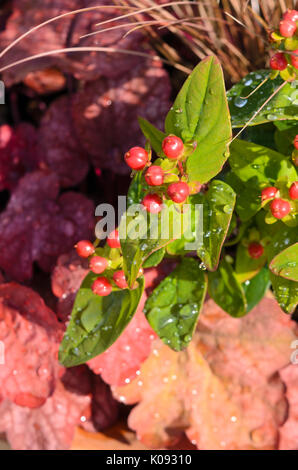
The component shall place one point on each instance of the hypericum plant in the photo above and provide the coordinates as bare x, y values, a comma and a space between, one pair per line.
248, 189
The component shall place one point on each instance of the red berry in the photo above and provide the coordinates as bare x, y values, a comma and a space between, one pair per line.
119, 279
152, 203
255, 250
173, 147
280, 208
291, 15
178, 192
293, 191
136, 158
98, 264
268, 193
296, 142
294, 58
113, 239
101, 286
84, 248
154, 175
278, 61
287, 28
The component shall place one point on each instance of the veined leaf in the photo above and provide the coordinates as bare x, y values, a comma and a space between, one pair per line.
285, 264
174, 306
96, 322
218, 206
282, 106
200, 113
226, 291
286, 291
154, 259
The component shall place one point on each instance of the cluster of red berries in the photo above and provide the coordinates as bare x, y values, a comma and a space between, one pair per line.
287, 29
98, 264
137, 158
279, 207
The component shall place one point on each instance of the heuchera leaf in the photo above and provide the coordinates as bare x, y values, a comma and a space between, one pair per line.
200, 113
226, 291
286, 291
219, 204
279, 107
255, 288
285, 264
152, 134
96, 322
174, 306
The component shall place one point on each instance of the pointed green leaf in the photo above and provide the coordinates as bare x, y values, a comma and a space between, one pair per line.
285, 264
246, 266
282, 106
96, 322
155, 136
256, 288
141, 234
219, 202
285, 291
200, 113
174, 306
154, 259
226, 291
135, 191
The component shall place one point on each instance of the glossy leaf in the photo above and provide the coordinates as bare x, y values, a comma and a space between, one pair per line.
152, 134
255, 164
154, 259
141, 234
135, 193
285, 264
226, 291
200, 113
286, 291
256, 288
96, 322
247, 204
281, 106
174, 306
219, 202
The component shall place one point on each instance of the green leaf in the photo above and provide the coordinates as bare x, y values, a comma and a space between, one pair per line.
152, 134
135, 192
200, 113
219, 202
285, 264
226, 291
256, 288
174, 306
141, 234
286, 291
284, 137
255, 164
154, 259
247, 204
96, 322
281, 106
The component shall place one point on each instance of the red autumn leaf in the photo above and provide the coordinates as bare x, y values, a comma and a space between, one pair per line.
30, 335
102, 109
59, 146
67, 32
224, 390
50, 427
37, 225
18, 153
